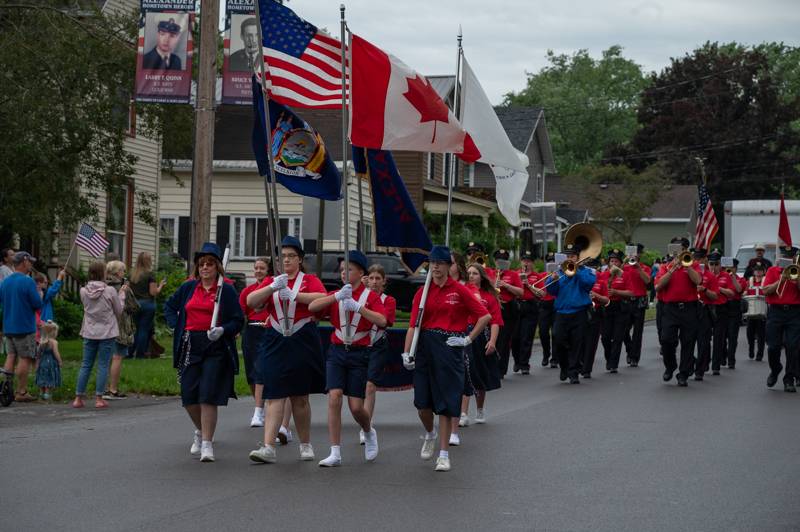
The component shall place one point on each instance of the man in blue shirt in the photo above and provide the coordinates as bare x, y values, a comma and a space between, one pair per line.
20, 300
572, 305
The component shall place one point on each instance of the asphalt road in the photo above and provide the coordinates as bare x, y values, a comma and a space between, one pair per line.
619, 452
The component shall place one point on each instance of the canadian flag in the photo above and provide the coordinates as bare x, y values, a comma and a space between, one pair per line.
392, 107
784, 233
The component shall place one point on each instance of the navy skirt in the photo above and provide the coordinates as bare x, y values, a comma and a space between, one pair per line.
252, 336
439, 375
484, 370
207, 377
291, 365
379, 358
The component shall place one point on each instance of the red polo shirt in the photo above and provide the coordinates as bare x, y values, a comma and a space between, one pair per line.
680, 288
724, 281
373, 303
618, 282
600, 288
448, 307
742, 285
710, 282
631, 274
527, 294
200, 308
250, 313
310, 285
790, 295
538, 282
509, 277
490, 303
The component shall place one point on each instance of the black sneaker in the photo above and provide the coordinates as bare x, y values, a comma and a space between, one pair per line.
682, 381
516, 368
526, 371
574, 380
612, 370
751, 355
715, 372
545, 362
553, 364
789, 387
698, 377
772, 379
587, 375
563, 375
668, 375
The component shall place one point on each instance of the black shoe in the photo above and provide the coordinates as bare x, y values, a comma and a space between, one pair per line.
682, 381
789, 388
668, 375
586, 375
526, 371
576, 380
698, 377
545, 362
563, 375
731, 366
759, 358
772, 379
553, 364
612, 370
715, 372
628, 360
516, 368
634, 364
751, 355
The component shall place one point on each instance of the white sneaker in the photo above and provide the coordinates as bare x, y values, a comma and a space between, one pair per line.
197, 440
331, 461
442, 464
371, 445
427, 448
480, 417
257, 420
463, 421
306, 452
455, 439
206, 452
264, 454
284, 436
361, 438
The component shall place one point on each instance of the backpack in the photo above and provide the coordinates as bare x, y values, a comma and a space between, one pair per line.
127, 320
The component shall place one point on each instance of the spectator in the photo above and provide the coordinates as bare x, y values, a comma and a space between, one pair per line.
144, 288
101, 306
6, 263
48, 373
48, 294
115, 277
20, 301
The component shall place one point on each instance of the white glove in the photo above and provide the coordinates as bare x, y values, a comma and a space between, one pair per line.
345, 293
408, 361
279, 282
351, 305
215, 333
459, 341
285, 294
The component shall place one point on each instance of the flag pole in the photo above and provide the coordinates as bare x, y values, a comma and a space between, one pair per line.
452, 173
345, 173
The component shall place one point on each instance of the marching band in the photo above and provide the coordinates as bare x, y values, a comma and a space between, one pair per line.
466, 324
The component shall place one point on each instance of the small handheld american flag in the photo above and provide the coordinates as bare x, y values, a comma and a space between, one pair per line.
90, 240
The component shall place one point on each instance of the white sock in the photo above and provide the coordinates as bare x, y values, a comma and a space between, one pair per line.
430, 435
336, 451
259, 412
206, 443
444, 454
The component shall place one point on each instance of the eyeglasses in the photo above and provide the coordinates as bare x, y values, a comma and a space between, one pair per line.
289, 255
207, 263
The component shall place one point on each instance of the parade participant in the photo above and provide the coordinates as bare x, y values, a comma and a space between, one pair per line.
707, 293
352, 311
725, 290
439, 375
618, 312
756, 327
571, 305
510, 286
760, 249
379, 353
734, 309
528, 315
204, 353
677, 287
252, 335
482, 372
546, 313
783, 320
600, 301
665, 263
290, 361
637, 276
475, 253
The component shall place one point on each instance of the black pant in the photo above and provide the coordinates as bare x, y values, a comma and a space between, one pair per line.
510, 317
734, 322
592, 339
705, 332
568, 336
679, 322
756, 333
615, 324
783, 331
720, 326
659, 316
526, 330
546, 316
633, 336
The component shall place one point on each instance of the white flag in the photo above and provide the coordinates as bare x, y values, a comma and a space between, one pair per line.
509, 165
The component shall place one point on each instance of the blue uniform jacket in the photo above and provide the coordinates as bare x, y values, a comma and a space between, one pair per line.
572, 293
230, 318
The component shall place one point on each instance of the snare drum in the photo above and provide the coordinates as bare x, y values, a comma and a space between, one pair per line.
756, 307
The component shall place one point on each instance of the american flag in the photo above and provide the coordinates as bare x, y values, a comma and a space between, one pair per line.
707, 225
90, 240
304, 66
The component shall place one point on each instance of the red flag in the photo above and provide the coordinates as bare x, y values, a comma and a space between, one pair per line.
784, 233
707, 225
392, 107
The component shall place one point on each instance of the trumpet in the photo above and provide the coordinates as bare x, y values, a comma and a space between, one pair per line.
633, 260
614, 271
730, 270
497, 280
685, 259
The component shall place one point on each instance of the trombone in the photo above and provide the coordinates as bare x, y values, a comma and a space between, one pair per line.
790, 273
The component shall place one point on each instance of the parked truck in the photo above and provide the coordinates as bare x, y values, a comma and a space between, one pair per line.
749, 222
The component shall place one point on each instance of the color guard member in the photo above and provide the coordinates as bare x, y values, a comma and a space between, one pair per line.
251, 336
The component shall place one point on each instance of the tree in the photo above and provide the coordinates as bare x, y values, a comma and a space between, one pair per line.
589, 103
735, 107
621, 197
466, 229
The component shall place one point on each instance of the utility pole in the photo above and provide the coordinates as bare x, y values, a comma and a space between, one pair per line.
203, 161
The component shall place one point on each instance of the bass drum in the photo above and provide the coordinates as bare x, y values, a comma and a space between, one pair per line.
756, 307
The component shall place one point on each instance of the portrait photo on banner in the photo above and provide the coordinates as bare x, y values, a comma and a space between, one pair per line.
165, 41
244, 43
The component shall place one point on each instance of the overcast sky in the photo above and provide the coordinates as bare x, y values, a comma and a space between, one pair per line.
505, 38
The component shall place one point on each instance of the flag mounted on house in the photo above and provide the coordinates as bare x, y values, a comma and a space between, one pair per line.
393, 107
397, 223
707, 225
301, 161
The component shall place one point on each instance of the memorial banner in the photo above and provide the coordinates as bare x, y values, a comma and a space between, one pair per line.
241, 48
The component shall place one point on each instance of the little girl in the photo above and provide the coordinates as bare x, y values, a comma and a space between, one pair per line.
48, 374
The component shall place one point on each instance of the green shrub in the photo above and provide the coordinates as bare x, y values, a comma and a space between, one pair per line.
69, 316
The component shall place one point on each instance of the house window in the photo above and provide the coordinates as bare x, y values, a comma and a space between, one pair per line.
366, 245
445, 170
431, 172
117, 221
249, 234
472, 175
168, 234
